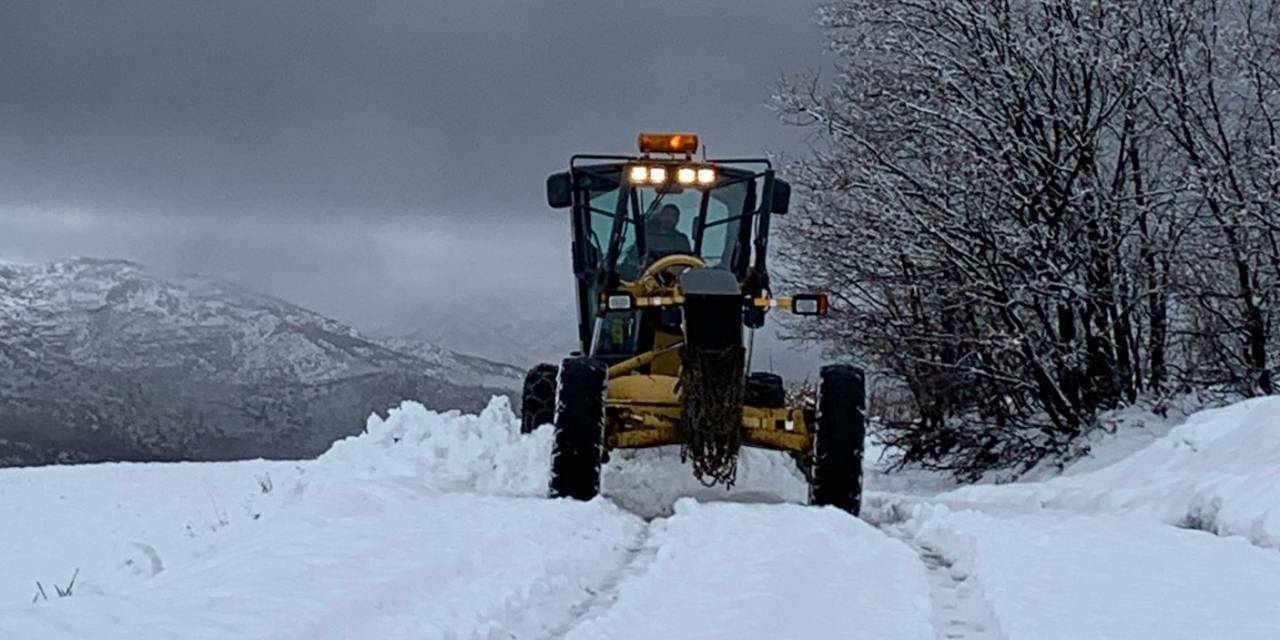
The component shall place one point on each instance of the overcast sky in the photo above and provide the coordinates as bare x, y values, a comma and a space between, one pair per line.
365, 159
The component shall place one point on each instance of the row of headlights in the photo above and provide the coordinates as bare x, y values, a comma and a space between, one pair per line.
641, 174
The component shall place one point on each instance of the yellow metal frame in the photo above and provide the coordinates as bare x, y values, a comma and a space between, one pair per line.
644, 411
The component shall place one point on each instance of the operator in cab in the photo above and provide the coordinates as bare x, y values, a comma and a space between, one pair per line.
663, 236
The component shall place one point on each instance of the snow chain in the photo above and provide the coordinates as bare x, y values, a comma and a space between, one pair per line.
712, 382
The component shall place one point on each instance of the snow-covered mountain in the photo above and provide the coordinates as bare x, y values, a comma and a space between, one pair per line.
108, 359
458, 367
522, 333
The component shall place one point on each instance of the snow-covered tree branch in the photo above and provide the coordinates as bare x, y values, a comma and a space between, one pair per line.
1030, 212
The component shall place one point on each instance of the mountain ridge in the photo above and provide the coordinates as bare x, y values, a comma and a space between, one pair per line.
109, 359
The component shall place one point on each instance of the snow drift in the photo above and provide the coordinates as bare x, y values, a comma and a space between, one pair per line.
450, 451
1217, 472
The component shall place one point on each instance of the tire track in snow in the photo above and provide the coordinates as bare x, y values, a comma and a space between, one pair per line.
960, 610
639, 555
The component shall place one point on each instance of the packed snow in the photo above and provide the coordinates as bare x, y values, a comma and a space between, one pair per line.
770, 571
434, 525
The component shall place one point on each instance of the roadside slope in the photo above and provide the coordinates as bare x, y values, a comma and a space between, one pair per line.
1216, 472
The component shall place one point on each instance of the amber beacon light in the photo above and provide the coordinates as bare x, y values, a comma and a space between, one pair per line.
668, 142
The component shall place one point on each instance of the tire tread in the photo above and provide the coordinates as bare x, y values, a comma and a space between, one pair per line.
579, 429
840, 439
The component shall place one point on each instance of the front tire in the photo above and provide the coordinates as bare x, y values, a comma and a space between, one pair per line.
839, 439
579, 429
538, 399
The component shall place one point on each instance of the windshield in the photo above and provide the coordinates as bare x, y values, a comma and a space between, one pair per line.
656, 221
664, 220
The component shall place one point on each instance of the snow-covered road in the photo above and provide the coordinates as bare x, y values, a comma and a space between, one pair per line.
764, 571
432, 526
394, 558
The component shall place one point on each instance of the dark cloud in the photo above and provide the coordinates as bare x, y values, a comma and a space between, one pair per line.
336, 153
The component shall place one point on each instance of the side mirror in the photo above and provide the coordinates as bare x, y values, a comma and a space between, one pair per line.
781, 197
559, 190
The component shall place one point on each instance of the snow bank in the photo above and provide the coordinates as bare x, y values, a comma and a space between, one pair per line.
449, 451
765, 571
1217, 472
1069, 576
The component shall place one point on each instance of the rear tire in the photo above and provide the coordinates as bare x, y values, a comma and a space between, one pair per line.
839, 439
538, 400
579, 429
765, 390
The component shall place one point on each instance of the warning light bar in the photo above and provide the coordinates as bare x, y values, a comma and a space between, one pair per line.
668, 142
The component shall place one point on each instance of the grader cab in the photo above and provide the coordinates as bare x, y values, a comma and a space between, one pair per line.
670, 258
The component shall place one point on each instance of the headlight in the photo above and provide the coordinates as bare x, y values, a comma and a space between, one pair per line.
706, 176
657, 175
809, 304
686, 175
620, 302
639, 174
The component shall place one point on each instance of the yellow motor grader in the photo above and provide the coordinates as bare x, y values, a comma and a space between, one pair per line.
670, 257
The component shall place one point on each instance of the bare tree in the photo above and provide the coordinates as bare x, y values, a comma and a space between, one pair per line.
1219, 102
1002, 198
